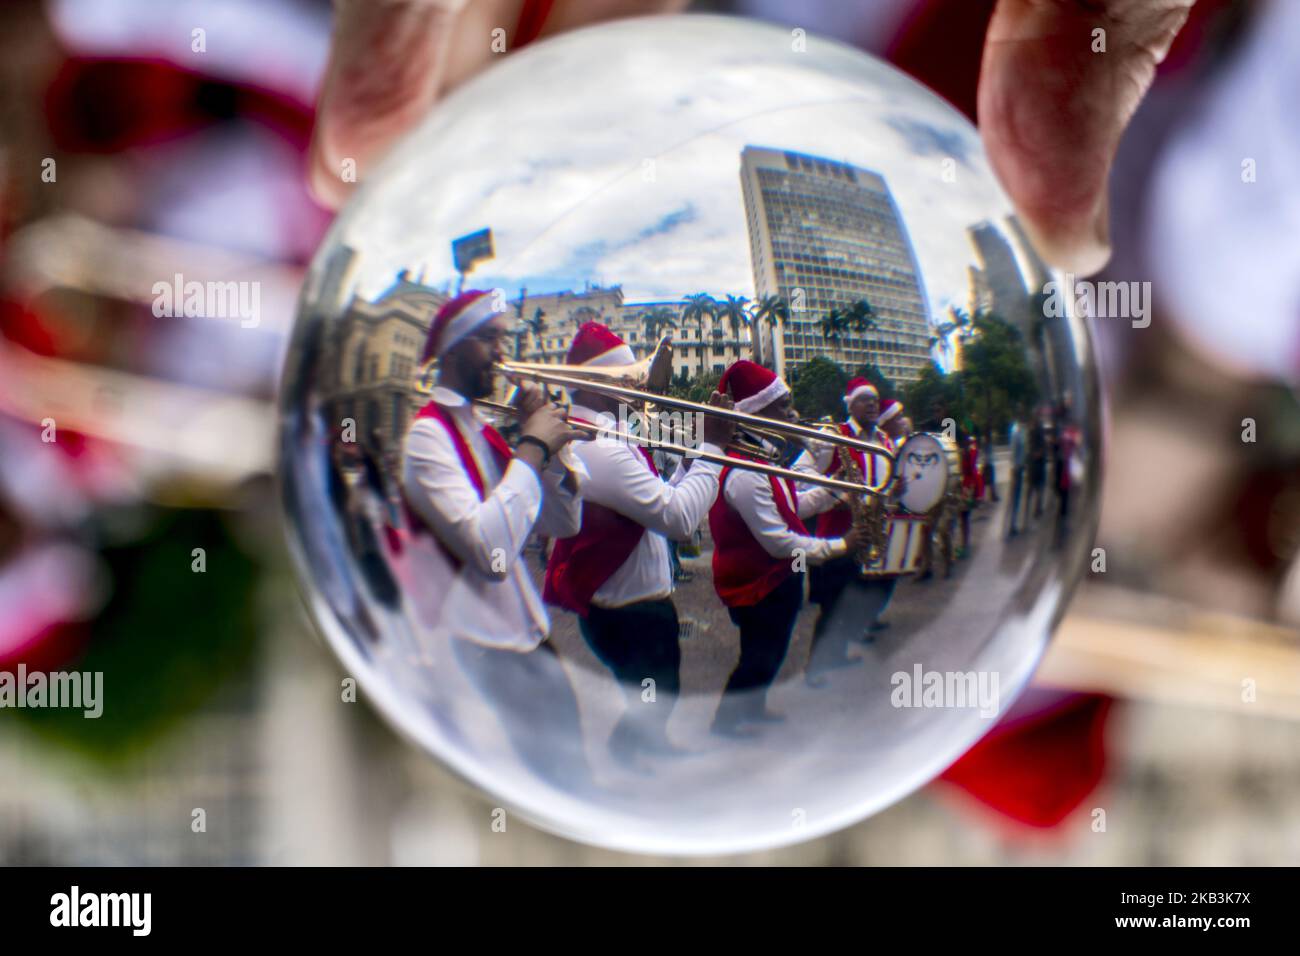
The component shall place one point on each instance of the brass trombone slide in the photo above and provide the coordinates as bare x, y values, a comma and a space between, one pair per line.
596, 431
562, 376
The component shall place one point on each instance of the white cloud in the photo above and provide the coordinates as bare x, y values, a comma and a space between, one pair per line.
549, 150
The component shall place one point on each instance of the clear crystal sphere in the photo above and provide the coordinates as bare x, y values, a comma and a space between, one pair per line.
622, 170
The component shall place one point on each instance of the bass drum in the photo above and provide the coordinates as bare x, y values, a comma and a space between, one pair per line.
929, 466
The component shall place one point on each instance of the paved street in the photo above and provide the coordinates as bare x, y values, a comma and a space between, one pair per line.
938, 623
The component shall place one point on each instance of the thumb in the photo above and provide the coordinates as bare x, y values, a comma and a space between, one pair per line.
1059, 82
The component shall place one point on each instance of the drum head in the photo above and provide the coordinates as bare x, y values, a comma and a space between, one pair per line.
923, 465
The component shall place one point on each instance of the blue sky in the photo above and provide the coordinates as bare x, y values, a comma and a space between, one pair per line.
612, 155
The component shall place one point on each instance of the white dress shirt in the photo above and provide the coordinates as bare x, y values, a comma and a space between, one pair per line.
750, 493
619, 477
492, 600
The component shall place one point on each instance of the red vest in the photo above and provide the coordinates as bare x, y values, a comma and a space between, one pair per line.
580, 566
836, 522
500, 451
743, 572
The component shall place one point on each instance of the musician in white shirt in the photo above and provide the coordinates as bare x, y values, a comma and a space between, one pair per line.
616, 573
761, 549
479, 500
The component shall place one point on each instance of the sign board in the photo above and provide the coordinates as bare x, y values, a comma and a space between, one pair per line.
470, 249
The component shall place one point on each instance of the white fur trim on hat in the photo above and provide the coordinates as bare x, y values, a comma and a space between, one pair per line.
867, 389
618, 355
772, 391
893, 411
481, 310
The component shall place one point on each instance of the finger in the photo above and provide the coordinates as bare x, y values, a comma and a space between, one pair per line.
571, 14
390, 60
387, 61
1053, 106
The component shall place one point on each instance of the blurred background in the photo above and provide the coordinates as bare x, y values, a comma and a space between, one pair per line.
141, 139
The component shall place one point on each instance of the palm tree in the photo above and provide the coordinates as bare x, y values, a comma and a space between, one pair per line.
697, 307
833, 325
861, 316
774, 309
735, 313
959, 323
655, 321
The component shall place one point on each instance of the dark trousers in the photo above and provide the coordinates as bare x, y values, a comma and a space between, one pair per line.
534, 701
850, 604
636, 642
1017, 487
765, 630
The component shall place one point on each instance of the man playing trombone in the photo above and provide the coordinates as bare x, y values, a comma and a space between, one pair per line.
479, 500
760, 549
616, 573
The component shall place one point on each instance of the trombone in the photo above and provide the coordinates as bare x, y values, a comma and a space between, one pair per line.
767, 467
641, 383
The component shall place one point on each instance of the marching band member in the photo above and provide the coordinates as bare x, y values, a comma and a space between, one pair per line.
760, 544
479, 500
616, 573
827, 583
893, 423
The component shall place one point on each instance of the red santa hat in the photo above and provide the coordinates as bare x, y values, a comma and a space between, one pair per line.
751, 385
595, 344
856, 388
457, 319
889, 408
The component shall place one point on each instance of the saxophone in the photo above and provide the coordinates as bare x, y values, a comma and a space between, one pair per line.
868, 512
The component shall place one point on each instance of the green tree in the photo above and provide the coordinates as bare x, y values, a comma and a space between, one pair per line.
818, 389
775, 310
733, 311
872, 373
860, 317
655, 321
696, 307
995, 373
833, 325
933, 397
696, 389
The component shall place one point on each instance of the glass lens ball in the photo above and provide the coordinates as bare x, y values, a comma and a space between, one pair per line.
756, 195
